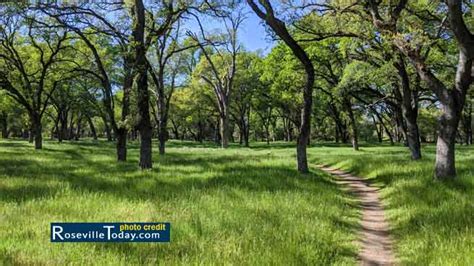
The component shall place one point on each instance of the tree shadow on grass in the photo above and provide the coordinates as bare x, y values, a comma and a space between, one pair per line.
124, 179
15, 144
244, 178
227, 174
26, 192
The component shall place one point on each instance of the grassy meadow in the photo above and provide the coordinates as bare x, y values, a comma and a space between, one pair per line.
236, 207
240, 206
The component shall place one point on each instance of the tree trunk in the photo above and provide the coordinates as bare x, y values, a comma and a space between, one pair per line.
121, 145
409, 106
452, 100
247, 129
79, 128
53, 129
241, 135
387, 130
379, 134
144, 124
162, 134
162, 113
217, 134
246, 138
305, 127
108, 132
445, 166
37, 128
400, 126
224, 130
452, 104
413, 136
267, 132
378, 130
70, 135
175, 129
355, 133
467, 123
122, 129
31, 133
390, 137
4, 121
200, 131
62, 131
280, 29
92, 128
143, 97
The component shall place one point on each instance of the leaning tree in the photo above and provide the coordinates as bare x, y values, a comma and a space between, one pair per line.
267, 14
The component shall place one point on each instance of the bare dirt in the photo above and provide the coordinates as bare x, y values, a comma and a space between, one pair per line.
374, 238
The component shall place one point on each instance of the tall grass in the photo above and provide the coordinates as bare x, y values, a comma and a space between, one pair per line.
230, 207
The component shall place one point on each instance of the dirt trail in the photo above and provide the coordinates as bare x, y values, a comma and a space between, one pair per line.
374, 240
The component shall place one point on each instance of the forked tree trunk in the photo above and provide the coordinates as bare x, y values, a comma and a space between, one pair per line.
409, 110
452, 104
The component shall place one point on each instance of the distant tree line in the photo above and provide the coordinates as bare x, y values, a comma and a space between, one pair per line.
341, 71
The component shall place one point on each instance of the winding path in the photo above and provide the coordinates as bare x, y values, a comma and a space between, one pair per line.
374, 240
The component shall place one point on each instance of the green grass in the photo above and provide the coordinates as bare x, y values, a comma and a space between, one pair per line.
432, 222
237, 206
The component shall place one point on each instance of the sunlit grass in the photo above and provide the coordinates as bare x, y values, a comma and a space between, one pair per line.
432, 222
237, 206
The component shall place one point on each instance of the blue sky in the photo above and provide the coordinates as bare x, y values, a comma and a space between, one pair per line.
251, 34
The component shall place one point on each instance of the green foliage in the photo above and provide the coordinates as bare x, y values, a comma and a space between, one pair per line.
360, 75
282, 73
